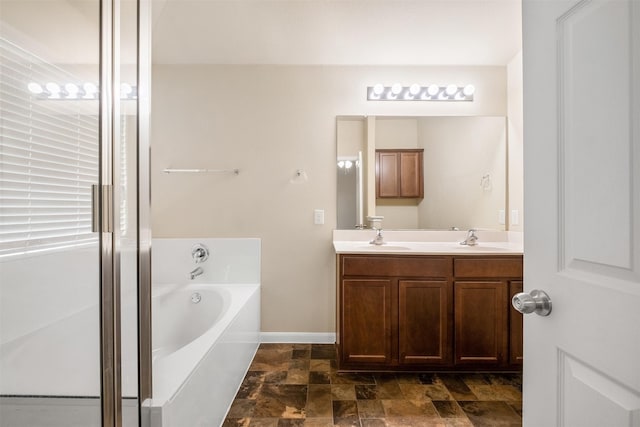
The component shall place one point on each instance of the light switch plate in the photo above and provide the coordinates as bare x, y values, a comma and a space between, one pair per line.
515, 217
501, 217
318, 216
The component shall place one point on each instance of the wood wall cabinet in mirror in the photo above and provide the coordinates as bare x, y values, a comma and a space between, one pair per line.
463, 181
399, 174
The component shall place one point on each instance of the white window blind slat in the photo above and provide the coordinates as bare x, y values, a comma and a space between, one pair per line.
17, 143
30, 176
37, 160
47, 114
49, 128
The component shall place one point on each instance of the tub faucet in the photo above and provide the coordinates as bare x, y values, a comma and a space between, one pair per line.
195, 273
199, 253
471, 239
378, 240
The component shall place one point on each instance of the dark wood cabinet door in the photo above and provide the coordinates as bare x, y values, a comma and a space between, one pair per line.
480, 322
366, 321
424, 326
515, 327
387, 174
411, 175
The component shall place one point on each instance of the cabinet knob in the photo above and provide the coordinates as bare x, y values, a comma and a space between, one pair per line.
536, 301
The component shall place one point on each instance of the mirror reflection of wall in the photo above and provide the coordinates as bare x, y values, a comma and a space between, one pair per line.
351, 132
347, 193
465, 171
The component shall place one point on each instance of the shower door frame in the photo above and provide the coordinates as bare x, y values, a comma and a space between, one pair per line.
110, 357
144, 202
106, 207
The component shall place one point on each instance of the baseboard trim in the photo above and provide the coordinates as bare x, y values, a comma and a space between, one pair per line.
298, 337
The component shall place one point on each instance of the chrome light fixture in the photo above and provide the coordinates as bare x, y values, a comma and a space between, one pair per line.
76, 91
415, 92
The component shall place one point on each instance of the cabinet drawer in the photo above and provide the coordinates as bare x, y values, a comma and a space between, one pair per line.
400, 266
488, 267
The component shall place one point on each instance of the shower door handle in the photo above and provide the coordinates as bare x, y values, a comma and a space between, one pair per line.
95, 208
102, 208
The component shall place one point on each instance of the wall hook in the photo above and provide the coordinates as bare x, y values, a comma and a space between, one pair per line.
299, 177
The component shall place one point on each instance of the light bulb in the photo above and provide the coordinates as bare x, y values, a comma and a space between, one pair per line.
35, 88
125, 90
469, 90
451, 90
89, 90
378, 89
414, 89
53, 87
341, 164
396, 88
348, 164
433, 90
72, 90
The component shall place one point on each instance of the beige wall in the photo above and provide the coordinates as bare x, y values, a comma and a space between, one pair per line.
515, 127
350, 134
350, 131
269, 121
458, 152
397, 134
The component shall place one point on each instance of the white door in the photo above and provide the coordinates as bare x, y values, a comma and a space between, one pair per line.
582, 206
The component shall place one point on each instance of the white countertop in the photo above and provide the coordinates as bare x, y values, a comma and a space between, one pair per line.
427, 243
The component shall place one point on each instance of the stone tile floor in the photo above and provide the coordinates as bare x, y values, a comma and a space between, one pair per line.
297, 385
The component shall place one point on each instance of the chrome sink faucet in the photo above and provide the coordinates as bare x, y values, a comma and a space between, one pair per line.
378, 240
471, 239
195, 273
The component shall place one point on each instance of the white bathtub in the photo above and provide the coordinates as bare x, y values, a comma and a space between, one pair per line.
201, 354
201, 350
50, 371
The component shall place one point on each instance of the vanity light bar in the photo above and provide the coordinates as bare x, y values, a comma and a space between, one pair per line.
397, 92
76, 91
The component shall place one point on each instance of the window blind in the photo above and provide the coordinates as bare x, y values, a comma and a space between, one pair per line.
48, 159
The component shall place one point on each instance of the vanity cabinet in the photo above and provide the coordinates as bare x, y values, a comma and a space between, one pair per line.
515, 326
482, 306
399, 174
480, 323
428, 312
367, 313
424, 325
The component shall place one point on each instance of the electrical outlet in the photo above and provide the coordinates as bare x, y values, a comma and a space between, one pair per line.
501, 217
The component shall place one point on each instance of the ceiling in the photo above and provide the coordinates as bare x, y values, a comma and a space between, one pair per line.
314, 32
336, 32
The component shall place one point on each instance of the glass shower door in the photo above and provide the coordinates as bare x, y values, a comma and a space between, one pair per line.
68, 220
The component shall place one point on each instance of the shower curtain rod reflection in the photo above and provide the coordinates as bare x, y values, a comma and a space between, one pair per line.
233, 171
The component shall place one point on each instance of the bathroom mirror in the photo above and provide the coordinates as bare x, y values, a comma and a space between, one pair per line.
465, 171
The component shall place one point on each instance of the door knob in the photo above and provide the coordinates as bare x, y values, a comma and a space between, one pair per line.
534, 302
